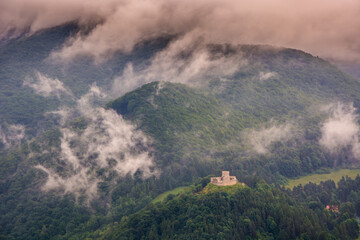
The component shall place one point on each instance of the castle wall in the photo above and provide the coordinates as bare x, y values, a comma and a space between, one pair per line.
219, 182
224, 180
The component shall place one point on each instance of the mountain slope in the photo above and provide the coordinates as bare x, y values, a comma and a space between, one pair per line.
27, 59
264, 120
194, 126
280, 79
180, 119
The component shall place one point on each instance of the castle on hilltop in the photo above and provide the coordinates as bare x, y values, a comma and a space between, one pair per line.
224, 180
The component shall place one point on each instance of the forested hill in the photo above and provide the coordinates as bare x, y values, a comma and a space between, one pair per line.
237, 212
200, 131
281, 92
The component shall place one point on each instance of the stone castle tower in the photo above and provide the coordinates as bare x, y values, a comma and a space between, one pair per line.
224, 180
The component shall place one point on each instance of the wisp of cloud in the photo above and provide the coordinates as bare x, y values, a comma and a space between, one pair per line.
262, 139
47, 86
12, 134
107, 143
341, 130
183, 61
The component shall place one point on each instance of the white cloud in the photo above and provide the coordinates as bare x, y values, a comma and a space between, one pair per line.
12, 134
262, 139
46, 86
185, 61
121, 24
341, 129
263, 76
80, 183
107, 142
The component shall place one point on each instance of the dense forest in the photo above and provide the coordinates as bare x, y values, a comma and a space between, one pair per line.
259, 212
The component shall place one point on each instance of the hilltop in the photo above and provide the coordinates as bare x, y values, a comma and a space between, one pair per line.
243, 213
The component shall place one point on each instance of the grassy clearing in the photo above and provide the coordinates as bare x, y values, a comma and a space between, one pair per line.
210, 188
175, 191
335, 175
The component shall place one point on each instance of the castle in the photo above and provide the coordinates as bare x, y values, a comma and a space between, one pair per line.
224, 180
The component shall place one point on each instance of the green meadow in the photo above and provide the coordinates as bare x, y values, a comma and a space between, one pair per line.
334, 175
174, 191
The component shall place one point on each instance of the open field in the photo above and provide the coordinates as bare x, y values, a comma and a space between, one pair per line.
211, 188
335, 175
175, 191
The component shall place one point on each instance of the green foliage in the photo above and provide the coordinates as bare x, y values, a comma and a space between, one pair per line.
193, 127
211, 188
21, 58
346, 196
245, 213
175, 191
196, 132
181, 120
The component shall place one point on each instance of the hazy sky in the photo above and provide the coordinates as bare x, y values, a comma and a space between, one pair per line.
329, 28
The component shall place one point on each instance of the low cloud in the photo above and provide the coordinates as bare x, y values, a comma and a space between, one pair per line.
12, 134
183, 61
262, 139
263, 76
118, 25
107, 142
81, 183
46, 86
341, 129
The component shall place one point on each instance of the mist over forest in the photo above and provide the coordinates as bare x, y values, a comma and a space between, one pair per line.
114, 116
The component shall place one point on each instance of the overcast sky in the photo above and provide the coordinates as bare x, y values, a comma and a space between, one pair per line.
328, 28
